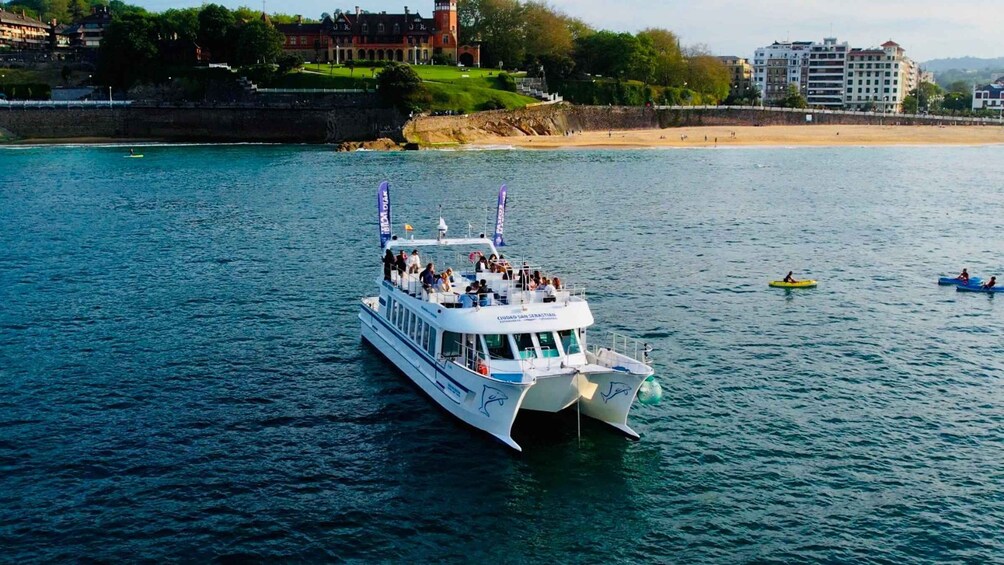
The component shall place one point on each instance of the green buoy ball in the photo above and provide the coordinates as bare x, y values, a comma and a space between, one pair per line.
650, 392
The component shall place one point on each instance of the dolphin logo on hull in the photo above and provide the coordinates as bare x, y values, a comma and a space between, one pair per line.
615, 389
489, 395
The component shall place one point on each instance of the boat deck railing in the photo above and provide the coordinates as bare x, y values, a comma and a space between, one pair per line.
627, 346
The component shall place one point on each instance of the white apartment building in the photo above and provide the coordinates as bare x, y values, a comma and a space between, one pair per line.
879, 78
779, 65
826, 67
989, 96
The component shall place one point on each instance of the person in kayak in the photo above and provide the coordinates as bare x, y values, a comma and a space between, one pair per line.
991, 284
964, 277
789, 278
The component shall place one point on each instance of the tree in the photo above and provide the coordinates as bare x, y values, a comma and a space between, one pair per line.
289, 62
215, 28
709, 76
184, 22
617, 55
351, 64
258, 42
669, 66
498, 26
128, 50
794, 99
399, 84
79, 8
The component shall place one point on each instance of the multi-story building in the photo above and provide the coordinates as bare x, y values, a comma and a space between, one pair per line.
989, 96
741, 73
879, 78
779, 65
88, 31
365, 36
19, 32
826, 68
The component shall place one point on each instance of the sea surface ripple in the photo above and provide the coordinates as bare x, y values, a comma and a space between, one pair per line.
181, 374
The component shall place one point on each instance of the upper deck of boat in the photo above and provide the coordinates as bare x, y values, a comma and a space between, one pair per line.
507, 286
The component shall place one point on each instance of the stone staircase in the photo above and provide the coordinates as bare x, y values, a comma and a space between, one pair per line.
536, 88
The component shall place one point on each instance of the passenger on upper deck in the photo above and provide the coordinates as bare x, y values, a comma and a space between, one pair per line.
428, 277
414, 262
557, 284
485, 294
505, 268
547, 289
493, 263
449, 274
524, 276
444, 283
388, 264
481, 264
469, 298
401, 264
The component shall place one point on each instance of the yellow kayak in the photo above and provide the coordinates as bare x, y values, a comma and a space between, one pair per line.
799, 284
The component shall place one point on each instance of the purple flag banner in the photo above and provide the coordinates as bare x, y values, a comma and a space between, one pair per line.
383, 209
498, 240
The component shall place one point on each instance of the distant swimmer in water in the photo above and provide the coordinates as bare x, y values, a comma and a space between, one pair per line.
789, 279
964, 277
991, 284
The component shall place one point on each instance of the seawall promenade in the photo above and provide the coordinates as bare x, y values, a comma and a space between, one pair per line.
202, 124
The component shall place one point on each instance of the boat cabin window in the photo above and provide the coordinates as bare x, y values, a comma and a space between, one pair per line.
524, 344
548, 345
498, 346
570, 341
452, 345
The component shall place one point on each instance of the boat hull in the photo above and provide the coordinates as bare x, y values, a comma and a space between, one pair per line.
487, 404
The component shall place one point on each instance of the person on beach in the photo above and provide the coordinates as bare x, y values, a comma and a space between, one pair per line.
388, 264
789, 279
991, 284
964, 277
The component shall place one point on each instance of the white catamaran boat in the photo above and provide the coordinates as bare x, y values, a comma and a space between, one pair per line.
484, 357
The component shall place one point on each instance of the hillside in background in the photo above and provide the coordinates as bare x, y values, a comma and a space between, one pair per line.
970, 70
962, 63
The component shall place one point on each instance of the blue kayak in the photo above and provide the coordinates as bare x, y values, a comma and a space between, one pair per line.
978, 288
957, 282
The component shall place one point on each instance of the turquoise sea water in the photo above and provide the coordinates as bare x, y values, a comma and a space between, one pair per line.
181, 375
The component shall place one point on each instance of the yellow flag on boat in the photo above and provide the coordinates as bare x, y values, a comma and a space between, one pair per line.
407, 227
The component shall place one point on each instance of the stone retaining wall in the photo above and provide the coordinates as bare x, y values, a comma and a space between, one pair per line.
265, 125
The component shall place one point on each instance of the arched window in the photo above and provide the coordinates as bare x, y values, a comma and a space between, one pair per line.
361, 54
366, 28
446, 39
397, 28
379, 28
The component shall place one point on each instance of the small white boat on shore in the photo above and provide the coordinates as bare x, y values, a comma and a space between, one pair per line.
484, 357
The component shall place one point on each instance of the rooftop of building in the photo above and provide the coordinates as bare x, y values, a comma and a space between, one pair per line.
22, 19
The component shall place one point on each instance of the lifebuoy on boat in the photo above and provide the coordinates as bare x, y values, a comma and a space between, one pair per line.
473, 256
482, 368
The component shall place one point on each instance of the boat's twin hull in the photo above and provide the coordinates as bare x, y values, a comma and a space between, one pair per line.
491, 405
486, 404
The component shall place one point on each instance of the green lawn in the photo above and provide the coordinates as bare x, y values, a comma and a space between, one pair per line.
450, 88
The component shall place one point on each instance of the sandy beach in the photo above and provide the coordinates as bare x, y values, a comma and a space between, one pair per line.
809, 135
